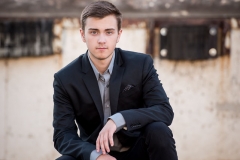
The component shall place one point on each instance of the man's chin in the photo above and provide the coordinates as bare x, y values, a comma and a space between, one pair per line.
102, 58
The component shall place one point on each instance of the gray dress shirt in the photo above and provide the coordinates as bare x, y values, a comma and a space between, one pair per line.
103, 84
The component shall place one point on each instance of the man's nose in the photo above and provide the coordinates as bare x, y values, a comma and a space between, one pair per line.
101, 38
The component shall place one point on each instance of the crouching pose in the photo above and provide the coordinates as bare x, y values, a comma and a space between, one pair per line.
113, 95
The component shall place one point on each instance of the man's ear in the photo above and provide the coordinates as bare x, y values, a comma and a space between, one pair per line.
119, 35
82, 35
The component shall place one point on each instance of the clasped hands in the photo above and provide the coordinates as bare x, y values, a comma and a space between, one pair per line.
105, 138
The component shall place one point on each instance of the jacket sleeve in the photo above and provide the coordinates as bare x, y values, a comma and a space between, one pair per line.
65, 137
156, 103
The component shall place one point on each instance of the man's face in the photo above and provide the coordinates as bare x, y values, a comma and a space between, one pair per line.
101, 36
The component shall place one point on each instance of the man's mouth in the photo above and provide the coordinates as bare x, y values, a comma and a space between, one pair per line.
101, 47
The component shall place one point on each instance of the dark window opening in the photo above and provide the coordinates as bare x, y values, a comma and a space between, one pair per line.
189, 42
26, 38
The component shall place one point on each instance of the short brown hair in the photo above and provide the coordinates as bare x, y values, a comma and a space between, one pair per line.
100, 9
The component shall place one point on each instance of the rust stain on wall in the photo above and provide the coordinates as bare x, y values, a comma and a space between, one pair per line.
224, 72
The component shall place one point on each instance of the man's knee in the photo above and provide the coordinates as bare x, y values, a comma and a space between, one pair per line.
158, 133
65, 157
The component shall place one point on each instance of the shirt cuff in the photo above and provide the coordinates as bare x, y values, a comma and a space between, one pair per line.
118, 120
94, 154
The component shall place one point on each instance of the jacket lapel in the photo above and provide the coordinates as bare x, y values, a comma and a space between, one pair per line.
92, 84
115, 81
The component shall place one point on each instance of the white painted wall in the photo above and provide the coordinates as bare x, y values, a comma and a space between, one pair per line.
27, 108
2, 109
206, 105
203, 94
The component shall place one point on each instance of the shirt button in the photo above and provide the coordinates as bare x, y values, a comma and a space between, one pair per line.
107, 105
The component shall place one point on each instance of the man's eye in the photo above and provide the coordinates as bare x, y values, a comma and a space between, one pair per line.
110, 32
93, 32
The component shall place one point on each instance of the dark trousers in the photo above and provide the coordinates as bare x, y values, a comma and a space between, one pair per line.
156, 143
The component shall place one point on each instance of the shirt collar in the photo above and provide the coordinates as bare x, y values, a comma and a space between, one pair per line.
110, 67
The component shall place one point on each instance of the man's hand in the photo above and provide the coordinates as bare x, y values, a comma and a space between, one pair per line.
106, 157
106, 136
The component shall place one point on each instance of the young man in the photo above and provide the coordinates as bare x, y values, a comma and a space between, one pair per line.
115, 97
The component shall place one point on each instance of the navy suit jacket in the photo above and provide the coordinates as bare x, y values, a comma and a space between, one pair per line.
77, 102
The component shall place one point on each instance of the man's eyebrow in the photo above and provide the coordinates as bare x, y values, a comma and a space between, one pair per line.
92, 29
110, 29
105, 29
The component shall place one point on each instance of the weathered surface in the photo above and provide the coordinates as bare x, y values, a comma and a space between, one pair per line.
3, 99
130, 8
204, 96
235, 57
28, 107
207, 114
